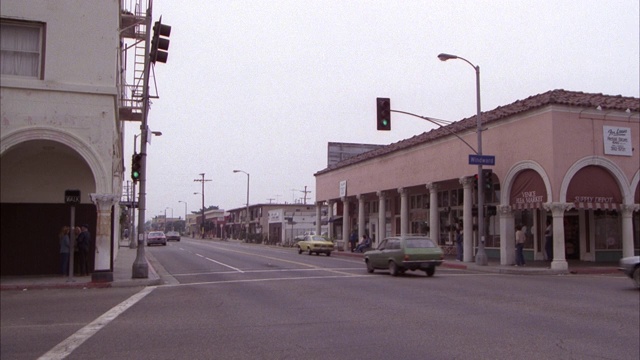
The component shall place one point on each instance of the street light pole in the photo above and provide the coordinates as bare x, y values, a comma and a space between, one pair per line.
481, 255
247, 217
140, 268
185, 214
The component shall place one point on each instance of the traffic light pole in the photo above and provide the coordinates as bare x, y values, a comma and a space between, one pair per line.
140, 268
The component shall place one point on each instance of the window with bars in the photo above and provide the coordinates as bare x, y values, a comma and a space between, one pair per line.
21, 48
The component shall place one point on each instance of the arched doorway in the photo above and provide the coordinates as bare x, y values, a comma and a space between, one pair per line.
34, 177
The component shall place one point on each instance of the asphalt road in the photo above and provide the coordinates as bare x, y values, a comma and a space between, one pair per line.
236, 301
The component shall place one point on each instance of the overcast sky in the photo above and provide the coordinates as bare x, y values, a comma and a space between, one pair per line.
263, 86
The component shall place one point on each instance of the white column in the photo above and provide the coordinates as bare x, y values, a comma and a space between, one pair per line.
507, 235
557, 210
382, 218
404, 213
102, 256
434, 216
319, 217
627, 229
361, 229
329, 216
345, 223
467, 218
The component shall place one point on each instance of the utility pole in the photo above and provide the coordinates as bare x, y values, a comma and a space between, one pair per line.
202, 180
140, 268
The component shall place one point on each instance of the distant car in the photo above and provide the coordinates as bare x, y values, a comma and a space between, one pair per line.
156, 237
631, 267
399, 254
173, 235
315, 244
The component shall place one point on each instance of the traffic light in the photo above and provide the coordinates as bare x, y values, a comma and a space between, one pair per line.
160, 42
487, 177
136, 167
475, 181
383, 106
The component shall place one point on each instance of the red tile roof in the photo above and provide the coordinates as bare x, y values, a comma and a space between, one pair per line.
553, 97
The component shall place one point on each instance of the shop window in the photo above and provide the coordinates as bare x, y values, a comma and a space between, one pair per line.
417, 201
607, 227
443, 198
457, 197
21, 53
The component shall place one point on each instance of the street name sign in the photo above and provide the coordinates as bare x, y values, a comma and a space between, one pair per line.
482, 159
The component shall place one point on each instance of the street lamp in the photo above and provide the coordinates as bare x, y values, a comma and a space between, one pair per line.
133, 242
247, 234
185, 215
481, 255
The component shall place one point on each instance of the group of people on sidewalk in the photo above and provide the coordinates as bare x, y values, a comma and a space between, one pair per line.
81, 248
362, 246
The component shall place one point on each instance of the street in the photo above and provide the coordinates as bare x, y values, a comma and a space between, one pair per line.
228, 300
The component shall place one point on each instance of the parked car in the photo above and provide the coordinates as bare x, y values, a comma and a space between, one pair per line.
173, 235
315, 244
631, 267
399, 254
156, 237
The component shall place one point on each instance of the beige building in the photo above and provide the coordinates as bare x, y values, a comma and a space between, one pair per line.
63, 100
568, 157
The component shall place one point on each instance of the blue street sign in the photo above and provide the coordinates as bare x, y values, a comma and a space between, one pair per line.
482, 159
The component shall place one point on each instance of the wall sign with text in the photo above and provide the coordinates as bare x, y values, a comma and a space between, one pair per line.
617, 140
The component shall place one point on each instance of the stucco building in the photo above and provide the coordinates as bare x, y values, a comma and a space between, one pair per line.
63, 100
569, 157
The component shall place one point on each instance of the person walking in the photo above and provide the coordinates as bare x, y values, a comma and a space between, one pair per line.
65, 250
84, 245
519, 246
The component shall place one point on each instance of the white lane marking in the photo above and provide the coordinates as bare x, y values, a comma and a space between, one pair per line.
229, 266
66, 347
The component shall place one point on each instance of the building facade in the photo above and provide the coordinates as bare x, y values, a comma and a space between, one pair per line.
563, 158
275, 224
62, 84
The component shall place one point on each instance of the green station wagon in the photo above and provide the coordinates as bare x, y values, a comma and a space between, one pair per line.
399, 254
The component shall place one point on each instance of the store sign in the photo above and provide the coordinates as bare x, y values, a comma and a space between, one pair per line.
617, 140
528, 197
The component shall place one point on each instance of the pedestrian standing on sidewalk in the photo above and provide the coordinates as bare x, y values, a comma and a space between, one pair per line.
548, 240
84, 245
519, 246
459, 243
65, 243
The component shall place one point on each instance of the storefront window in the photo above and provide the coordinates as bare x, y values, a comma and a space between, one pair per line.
607, 230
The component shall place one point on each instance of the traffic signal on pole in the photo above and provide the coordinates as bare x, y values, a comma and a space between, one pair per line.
136, 167
383, 106
475, 181
487, 177
160, 42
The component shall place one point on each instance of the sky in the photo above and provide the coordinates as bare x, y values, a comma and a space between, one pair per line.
264, 86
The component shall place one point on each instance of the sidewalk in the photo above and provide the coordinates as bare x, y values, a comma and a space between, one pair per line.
122, 272
531, 268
